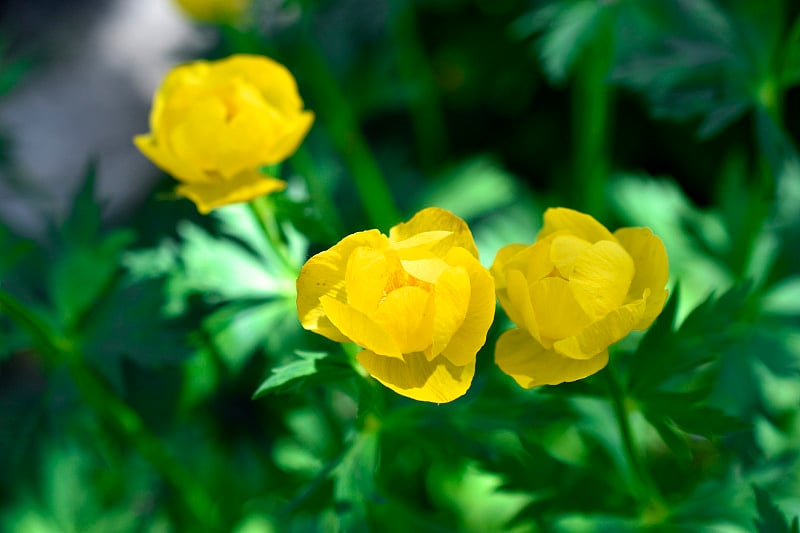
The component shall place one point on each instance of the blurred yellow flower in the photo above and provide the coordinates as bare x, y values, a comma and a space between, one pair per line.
217, 11
574, 292
215, 123
417, 301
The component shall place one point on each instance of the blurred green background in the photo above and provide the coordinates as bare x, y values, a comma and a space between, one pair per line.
134, 332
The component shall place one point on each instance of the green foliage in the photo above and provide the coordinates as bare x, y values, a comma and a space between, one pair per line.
154, 376
770, 518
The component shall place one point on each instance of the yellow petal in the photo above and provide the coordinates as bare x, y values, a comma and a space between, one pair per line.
520, 304
241, 188
557, 312
437, 219
564, 249
652, 270
469, 338
294, 131
324, 275
426, 269
499, 273
437, 381
501, 260
451, 299
196, 137
423, 241
273, 80
241, 141
576, 223
530, 364
163, 159
368, 271
601, 334
359, 328
405, 314
601, 276
533, 262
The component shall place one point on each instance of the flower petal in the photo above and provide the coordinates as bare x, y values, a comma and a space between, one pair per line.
530, 364
242, 188
437, 219
499, 272
519, 295
324, 275
427, 269
599, 335
564, 249
469, 338
163, 159
557, 312
406, 315
600, 277
367, 274
360, 328
196, 137
273, 80
576, 223
437, 381
287, 143
652, 270
451, 298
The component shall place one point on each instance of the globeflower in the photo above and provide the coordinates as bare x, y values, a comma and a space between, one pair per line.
418, 302
214, 124
216, 11
574, 292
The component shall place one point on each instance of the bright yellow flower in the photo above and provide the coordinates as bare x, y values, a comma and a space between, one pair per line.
214, 10
417, 301
214, 123
574, 292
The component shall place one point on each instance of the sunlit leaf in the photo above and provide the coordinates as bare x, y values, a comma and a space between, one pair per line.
319, 365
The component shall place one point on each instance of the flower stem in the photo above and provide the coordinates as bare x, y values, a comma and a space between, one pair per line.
342, 124
264, 213
113, 411
414, 65
653, 507
303, 164
591, 104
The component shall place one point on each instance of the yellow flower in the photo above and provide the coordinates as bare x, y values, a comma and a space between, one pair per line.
213, 124
574, 292
214, 10
417, 301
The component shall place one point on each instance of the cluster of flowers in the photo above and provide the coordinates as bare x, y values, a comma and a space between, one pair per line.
418, 301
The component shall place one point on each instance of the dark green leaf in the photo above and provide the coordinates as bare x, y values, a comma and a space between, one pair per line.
354, 482
320, 366
770, 519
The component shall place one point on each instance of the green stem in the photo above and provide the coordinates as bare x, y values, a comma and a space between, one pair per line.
303, 163
342, 124
426, 114
653, 507
591, 103
112, 410
264, 213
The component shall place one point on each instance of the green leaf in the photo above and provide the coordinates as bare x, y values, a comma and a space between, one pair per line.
129, 325
240, 328
700, 339
80, 276
770, 519
567, 28
701, 59
696, 241
354, 482
471, 189
320, 366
